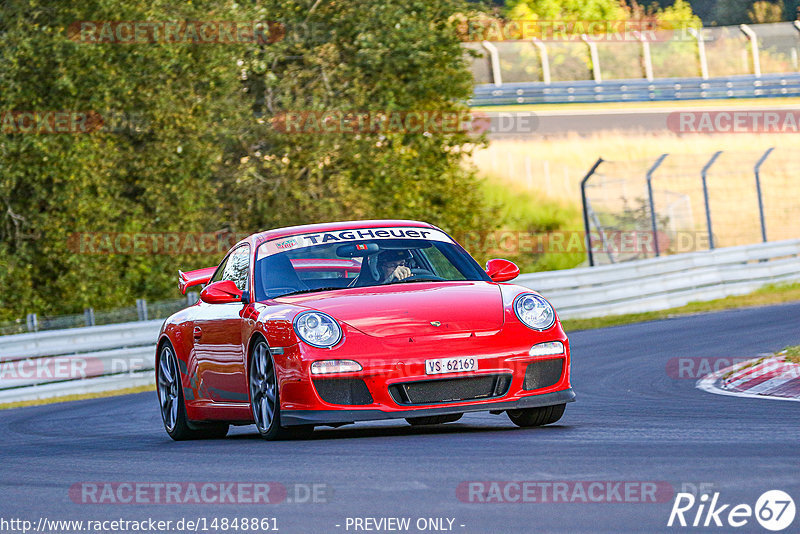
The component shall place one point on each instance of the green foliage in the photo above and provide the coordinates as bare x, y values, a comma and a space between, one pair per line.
524, 217
196, 160
565, 9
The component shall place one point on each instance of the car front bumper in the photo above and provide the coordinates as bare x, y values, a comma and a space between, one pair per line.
343, 416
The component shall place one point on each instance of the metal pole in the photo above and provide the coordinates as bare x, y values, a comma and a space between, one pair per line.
596, 72
653, 221
758, 191
705, 197
646, 56
701, 51
494, 60
751, 35
544, 58
586, 212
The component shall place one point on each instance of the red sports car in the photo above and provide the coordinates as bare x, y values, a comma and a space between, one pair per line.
329, 324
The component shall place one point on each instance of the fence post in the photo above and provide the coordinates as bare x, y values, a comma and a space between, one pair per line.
701, 51
646, 56
586, 211
753, 38
596, 71
653, 221
33, 322
545, 59
757, 171
141, 309
705, 197
494, 61
88, 316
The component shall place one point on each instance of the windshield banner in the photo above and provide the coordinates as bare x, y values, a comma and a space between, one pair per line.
295, 242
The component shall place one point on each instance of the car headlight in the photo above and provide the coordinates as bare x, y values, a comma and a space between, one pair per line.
534, 311
317, 329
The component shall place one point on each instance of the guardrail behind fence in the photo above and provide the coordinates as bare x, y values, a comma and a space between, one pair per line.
705, 53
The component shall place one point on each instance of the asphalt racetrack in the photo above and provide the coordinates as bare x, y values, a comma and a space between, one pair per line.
631, 422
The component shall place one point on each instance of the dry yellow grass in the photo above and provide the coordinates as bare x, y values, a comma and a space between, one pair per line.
554, 167
66, 398
568, 158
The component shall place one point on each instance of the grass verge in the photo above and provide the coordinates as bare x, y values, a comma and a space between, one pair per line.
523, 214
82, 396
792, 354
771, 294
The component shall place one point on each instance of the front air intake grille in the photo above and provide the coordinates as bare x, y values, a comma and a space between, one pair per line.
347, 391
543, 374
451, 389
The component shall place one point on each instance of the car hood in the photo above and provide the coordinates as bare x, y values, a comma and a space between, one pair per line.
412, 308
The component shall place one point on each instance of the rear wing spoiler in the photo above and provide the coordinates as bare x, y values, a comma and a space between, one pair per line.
194, 278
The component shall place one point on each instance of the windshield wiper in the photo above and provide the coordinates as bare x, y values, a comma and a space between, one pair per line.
300, 291
417, 279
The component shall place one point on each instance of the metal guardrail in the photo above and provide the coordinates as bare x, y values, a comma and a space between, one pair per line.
77, 360
122, 355
667, 282
638, 90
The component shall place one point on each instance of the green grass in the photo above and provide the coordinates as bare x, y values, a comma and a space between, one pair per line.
792, 354
655, 106
771, 294
527, 213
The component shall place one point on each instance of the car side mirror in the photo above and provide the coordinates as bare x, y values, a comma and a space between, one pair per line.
222, 292
501, 270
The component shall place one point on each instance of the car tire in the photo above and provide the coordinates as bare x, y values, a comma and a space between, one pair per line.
530, 417
265, 398
172, 405
433, 419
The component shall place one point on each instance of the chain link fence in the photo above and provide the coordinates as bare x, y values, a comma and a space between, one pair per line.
143, 311
684, 203
682, 53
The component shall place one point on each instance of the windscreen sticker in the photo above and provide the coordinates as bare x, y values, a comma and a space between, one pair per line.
295, 242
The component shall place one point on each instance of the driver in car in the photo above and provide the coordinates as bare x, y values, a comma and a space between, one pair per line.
393, 265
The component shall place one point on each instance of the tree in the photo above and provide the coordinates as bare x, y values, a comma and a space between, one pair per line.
202, 154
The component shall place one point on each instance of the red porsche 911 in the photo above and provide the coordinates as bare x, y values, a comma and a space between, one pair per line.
329, 324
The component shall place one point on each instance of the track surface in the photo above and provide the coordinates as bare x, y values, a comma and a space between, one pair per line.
631, 422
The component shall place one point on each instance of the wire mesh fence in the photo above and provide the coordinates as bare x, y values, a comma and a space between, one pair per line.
685, 203
142, 311
720, 51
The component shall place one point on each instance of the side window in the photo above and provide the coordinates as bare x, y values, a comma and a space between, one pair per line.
236, 267
220, 271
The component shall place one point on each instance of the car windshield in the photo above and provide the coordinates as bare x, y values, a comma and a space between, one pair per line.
360, 258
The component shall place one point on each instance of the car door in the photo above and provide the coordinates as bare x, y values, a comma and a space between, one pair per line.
218, 336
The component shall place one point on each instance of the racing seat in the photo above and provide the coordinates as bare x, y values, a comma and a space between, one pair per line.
277, 276
368, 275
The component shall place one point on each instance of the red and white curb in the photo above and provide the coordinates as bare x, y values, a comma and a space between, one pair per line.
766, 377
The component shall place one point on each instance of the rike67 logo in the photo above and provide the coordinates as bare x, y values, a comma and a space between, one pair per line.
774, 510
